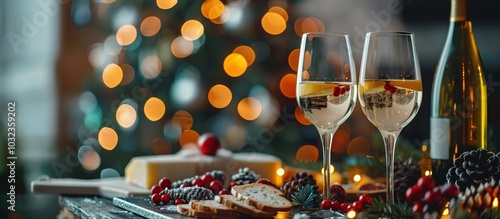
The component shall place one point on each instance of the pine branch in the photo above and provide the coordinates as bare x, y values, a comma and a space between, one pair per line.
304, 197
381, 209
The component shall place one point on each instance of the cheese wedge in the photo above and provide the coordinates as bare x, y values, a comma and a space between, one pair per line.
146, 171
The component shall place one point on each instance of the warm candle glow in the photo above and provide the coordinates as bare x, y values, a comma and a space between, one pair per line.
446, 212
280, 172
495, 203
428, 173
357, 178
351, 214
331, 169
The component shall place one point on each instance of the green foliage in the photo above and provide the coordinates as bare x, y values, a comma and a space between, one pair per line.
381, 209
305, 197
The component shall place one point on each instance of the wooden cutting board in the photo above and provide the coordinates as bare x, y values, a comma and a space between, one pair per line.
107, 187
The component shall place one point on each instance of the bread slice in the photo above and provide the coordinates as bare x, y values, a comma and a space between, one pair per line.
242, 207
214, 207
187, 210
261, 196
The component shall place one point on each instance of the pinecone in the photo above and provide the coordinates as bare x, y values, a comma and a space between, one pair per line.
406, 174
189, 193
297, 181
217, 174
245, 176
473, 168
478, 198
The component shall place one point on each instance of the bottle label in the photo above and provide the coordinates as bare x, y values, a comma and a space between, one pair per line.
440, 138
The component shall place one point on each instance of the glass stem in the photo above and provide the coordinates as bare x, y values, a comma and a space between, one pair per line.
390, 145
326, 141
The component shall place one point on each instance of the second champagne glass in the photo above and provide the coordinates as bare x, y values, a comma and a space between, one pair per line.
326, 87
390, 89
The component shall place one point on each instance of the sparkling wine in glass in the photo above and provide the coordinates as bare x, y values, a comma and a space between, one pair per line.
326, 88
390, 89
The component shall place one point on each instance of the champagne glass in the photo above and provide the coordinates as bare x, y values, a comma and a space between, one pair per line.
390, 89
326, 87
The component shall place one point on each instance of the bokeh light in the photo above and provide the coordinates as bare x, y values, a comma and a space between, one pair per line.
287, 85
87, 102
359, 146
89, 158
293, 59
247, 52
126, 35
107, 137
280, 171
212, 9
235, 65
183, 119
307, 153
150, 26
166, 4
273, 23
126, 115
300, 117
219, 96
249, 108
154, 109
181, 48
192, 30
340, 141
109, 173
279, 10
112, 75
151, 67
184, 90
128, 74
188, 136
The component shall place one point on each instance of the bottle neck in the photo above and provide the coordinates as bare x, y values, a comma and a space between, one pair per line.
458, 11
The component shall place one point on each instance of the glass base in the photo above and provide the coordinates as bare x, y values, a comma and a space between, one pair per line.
320, 214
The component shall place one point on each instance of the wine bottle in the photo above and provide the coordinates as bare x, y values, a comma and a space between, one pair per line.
458, 101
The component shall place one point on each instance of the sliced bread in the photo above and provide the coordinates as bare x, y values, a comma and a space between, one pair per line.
187, 210
261, 196
242, 207
213, 206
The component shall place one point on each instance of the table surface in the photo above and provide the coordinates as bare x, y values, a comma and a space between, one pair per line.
98, 207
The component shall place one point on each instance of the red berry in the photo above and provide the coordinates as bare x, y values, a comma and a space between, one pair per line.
207, 178
264, 181
184, 185
224, 192
342, 90
233, 183
414, 193
336, 91
209, 144
392, 90
449, 191
336, 205
216, 186
357, 206
343, 207
178, 201
198, 182
349, 208
417, 208
337, 192
347, 88
326, 204
426, 183
387, 86
165, 198
156, 189
365, 199
156, 198
165, 183
432, 197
